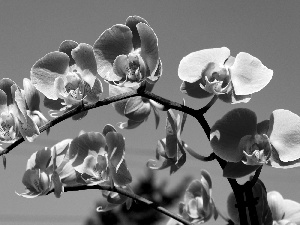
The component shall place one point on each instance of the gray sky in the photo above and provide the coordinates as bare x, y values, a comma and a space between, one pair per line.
269, 30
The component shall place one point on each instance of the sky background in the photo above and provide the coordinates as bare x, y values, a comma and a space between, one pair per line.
268, 30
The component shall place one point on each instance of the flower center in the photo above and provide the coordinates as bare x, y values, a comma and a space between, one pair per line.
135, 69
7, 127
75, 92
215, 79
257, 149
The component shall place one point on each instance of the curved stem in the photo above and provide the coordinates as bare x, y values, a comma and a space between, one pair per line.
198, 114
130, 195
80, 108
211, 102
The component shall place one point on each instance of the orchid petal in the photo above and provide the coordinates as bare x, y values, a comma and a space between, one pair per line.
116, 198
81, 146
53, 104
29, 129
149, 47
84, 57
136, 105
93, 95
3, 102
248, 74
88, 77
232, 98
194, 90
284, 134
32, 96
116, 148
46, 70
119, 105
120, 67
171, 135
58, 188
121, 175
105, 206
5, 85
193, 190
68, 175
130, 124
152, 164
292, 210
108, 128
137, 108
20, 100
226, 133
36, 181
29, 194
66, 47
113, 42
275, 202
131, 22
191, 66
88, 165
39, 160
156, 115
192, 209
160, 149
61, 151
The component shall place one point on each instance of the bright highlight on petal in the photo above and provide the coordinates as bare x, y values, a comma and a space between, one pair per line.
248, 74
46, 70
284, 133
191, 66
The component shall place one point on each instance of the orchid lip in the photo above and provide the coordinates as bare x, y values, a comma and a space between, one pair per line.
257, 150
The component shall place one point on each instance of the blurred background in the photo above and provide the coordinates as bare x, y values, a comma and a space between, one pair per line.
268, 30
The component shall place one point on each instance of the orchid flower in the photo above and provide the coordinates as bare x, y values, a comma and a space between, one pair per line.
68, 76
136, 109
171, 148
127, 54
28, 100
284, 211
49, 169
99, 158
15, 121
275, 142
214, 72
198, 206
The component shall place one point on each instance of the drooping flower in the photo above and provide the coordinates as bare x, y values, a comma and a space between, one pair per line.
68, 76
237, 137
15, 120
28, 102
127, 54
214, 72
171, 148
49, 169
284, 211
198, 205
136, 109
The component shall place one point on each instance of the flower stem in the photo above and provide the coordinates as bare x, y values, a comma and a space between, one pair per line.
130, 195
